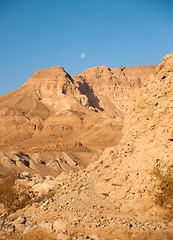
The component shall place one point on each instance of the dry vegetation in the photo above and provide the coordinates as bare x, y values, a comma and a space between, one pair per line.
10, 197
163, 184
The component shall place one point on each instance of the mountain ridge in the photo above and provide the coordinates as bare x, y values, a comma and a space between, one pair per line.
81, 115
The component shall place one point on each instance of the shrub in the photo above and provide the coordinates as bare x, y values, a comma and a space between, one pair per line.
10, 197
163, 187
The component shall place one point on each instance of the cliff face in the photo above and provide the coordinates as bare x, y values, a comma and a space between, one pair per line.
115, 87
54, 112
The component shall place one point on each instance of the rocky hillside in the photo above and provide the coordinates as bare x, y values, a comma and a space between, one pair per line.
126, 194
56, 122
145, 151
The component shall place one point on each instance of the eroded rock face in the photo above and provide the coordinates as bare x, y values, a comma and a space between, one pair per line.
113, 88
54, 113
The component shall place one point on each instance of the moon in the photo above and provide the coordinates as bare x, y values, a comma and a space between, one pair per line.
83, 55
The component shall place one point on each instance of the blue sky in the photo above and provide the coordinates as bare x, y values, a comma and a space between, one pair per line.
36, 34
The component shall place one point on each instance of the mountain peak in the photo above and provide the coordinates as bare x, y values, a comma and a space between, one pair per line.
49, 74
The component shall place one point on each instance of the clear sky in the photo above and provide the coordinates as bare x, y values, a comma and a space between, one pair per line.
78, 34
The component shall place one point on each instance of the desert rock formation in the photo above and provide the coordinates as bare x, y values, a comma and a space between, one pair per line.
62, 122
114, 87
114, 197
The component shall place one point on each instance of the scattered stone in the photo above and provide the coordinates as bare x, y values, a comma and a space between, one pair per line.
60, 225
47, 226
63, 236
25, 174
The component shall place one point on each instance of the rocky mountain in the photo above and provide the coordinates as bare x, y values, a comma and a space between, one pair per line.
125, 194
115, 87
56, 122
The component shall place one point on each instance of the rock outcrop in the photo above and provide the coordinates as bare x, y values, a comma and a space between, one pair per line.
114, 88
